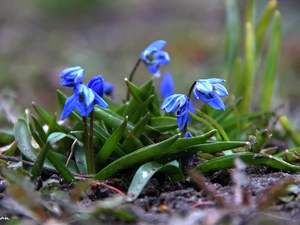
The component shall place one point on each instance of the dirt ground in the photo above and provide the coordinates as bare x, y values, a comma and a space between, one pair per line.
185, 203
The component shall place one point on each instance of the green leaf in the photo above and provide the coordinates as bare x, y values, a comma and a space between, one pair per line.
214, 123
111, 143
139, 111
139, 96
232, 35
211, 147
57, 136
61, 168
269, 76
80, 158
263, 24
6, 136
133, 158
39, 128
23, 134
163, 124
247, 83
114, 121
146, 171
288, 127
47, 119
137, 132
249, 158
39, 162
8, 150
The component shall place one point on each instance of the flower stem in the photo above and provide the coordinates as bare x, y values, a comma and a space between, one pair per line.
86, 141
131, 77
91, 142
189, 97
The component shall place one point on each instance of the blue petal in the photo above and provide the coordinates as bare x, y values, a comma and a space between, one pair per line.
69, 107
221, 90
69, 71
97, 84
217, 103
204, 86
187, 135
161, 58
156, 46
215, 80
203, 96
170, 104
154, 70
166, 85
109, 89
72, 76
99, 101
182, 118
89, 96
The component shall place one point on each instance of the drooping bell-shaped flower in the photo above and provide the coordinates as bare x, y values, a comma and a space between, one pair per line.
83, 100
180, 104
153, 57
166, 85
109, 89
96, 83
211, 91
71, 76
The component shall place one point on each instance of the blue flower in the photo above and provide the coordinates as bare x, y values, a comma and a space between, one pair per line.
109, 89
180, 104
97, 84
211, 91
153, 57
83, 100
71, 76
166, 85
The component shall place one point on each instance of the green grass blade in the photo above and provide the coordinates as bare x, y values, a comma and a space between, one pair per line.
163, 124
6, 136
263, 24
250, 11
111, 143
247, 83
136, 157
269, 76
61, 168
249, 158
23, 134
39, 162
39, 128
212, 147
287, 126
136, 133
144, 174
215, 124
232, 35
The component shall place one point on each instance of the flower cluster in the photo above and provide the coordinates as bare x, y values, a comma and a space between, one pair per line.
207, 90
84, 97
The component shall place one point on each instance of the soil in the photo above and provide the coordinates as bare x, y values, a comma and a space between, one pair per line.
189, 202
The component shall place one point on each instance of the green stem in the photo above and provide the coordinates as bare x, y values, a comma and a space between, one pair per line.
91, 142
131, 77
86, 141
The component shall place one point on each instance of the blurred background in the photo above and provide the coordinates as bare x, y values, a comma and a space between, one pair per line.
39, 38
